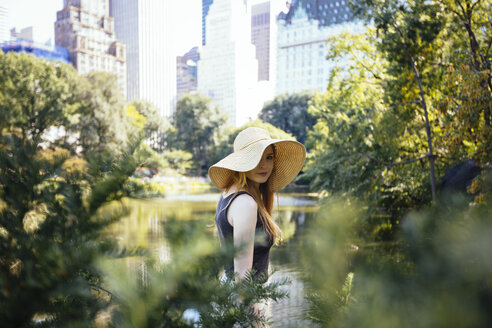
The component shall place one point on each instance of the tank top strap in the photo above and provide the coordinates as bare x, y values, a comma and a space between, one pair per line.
234, 196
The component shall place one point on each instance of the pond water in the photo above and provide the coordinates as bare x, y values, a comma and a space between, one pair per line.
142, 228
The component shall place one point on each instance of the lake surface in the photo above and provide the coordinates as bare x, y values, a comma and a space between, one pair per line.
142, 227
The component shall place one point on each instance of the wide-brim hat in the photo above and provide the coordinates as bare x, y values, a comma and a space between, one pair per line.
249, 146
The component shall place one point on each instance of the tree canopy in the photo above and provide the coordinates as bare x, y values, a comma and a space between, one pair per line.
50, 229
290, 113
197, 123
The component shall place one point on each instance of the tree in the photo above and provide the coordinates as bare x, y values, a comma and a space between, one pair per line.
408, 34
290, 113
155, 126
50, 224
196, 122
101, 126
362, 145
467, 92
35, 96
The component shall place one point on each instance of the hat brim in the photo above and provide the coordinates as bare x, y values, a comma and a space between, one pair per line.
289, 160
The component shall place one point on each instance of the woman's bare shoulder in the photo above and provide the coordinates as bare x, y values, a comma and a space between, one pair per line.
244, 202
243, 210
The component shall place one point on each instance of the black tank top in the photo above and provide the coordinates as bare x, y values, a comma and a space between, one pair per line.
262, 245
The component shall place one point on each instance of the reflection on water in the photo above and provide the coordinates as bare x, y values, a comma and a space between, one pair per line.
142, 227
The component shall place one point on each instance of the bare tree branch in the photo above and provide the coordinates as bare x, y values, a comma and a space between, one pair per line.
475, 4
391, 164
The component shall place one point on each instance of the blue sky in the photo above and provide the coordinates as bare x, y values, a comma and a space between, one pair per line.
41, 14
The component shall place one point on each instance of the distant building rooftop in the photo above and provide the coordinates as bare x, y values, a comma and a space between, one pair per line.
326, 12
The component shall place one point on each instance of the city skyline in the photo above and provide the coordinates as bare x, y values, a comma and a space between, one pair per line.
228, 68
42, 16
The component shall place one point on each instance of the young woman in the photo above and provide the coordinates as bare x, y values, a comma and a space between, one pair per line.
258, 167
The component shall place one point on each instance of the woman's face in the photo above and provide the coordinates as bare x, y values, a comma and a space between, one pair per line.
263, 170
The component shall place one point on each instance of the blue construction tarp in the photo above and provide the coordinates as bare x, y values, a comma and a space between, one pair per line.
37, 49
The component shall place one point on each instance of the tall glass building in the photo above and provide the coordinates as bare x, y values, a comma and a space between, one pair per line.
186, 72
4, 24
205, 8
260, 37
144, 26
301, 43
228, 69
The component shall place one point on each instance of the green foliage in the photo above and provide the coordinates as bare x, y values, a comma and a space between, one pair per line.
436, 275
196, 123
371, 140
466, 103
179, 160
102, 120
34, 95
155, 126
57, 260
290, 114
325, 249
449, 44
349, 114
148, 157
159, 295
49, 220
358, 139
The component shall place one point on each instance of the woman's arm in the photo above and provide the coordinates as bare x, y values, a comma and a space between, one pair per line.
242, 215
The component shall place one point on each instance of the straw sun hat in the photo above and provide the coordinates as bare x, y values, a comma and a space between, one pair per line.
249, 146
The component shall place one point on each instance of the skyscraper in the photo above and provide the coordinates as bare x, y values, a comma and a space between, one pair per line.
4, 24
144, 26
260, 37
301, 43
86, 30
186, 72
228, 69
205, 8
